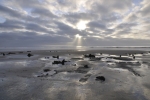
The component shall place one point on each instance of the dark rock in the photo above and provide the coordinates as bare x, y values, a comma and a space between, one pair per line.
100, 78
46, 70
95, 59
63, 61
75, 65
3, 54
46, 57
89, 56
29, 55
133, 57
122, 58
86, 66
57, 62
60, 62
56, 57
46, 74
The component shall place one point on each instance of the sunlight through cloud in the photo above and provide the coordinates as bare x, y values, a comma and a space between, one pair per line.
78, 36
81, 25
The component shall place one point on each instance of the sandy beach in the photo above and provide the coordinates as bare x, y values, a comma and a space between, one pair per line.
75, 75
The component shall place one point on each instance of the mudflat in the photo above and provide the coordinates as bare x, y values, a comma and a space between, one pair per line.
75, 75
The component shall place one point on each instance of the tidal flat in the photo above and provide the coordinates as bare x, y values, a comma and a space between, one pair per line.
75, 75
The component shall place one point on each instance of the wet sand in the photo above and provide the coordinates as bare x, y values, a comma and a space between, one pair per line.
37, 78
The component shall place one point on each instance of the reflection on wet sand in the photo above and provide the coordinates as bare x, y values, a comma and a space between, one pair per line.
80, 75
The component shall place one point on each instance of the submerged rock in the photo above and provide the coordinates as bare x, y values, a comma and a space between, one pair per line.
43, 75
122, 58
95, 59
77, 58
83, 79
82, 70
11, 53
100, 78
87, 75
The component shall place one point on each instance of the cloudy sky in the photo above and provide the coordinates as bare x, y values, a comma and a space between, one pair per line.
29, 23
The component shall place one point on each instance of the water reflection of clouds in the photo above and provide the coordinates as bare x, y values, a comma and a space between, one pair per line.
13, 63
120, 82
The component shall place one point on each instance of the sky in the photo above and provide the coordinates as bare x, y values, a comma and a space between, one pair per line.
36, 23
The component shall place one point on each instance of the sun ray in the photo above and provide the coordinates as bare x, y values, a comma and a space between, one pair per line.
77, 41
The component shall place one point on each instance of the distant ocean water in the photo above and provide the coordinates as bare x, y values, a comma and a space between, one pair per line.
77, 48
